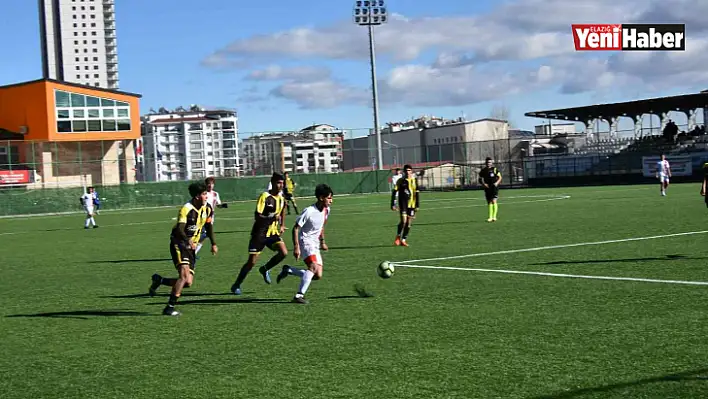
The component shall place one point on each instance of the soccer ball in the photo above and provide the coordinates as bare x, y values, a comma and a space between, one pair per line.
385, 269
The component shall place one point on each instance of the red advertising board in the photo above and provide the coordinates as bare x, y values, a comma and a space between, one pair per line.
14, 176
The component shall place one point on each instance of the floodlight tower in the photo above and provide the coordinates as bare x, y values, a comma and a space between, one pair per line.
370, 13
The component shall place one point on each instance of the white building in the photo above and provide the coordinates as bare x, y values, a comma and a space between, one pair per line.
78, 39
190, 145
315, 149
553, 129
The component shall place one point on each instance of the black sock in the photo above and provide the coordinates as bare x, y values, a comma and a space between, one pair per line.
400, 228
295, 206
288, 206
245, 269
168, 281
173, 300
273, 262
405, 232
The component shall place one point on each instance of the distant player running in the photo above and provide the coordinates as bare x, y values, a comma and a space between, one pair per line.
408, 203
214, 200
289, 192
663, 173
195, 216
266, 232
86, 200
306, 242
489, 178
704, 186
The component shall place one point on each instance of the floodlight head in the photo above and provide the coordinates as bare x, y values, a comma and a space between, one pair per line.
370, 12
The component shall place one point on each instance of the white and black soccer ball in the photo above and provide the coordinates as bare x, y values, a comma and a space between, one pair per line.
385, 269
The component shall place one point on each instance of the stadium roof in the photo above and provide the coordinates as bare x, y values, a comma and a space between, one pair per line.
630, 108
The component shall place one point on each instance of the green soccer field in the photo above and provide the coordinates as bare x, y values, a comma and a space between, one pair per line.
611, 306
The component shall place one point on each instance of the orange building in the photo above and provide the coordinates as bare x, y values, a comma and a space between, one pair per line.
67, 134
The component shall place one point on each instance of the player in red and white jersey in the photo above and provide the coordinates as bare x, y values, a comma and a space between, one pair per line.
214, 200
663, 173
306, 242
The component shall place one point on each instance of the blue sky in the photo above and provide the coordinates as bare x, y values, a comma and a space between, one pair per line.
496, 53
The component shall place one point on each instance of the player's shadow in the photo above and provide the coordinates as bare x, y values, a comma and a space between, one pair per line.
624, 260
163, 294
227, 301
131, 260
689, 375
85, 314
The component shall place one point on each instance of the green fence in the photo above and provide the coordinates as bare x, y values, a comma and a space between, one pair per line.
126, 196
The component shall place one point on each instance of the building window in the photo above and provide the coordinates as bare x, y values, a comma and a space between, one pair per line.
80, 113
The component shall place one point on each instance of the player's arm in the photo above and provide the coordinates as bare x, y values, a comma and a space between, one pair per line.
499, 178
299, 222
393, 194
705, 180
417, 195
263, 200
182, 223
480, 180
218, 202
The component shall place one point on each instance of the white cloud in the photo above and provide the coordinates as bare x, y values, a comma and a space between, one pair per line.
518, 47
298, 73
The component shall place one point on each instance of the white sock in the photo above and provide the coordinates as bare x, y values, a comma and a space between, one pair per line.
296, 272
199, 246
93, 221
87, 222
305, 282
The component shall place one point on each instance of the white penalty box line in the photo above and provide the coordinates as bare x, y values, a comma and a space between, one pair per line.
511, 251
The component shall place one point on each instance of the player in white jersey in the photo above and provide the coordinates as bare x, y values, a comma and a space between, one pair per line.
86, 201
306, 242
214, 200
663, 173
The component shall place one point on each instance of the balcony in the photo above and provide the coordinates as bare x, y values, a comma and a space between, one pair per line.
112, 60
110, 34
111, 43
110, 26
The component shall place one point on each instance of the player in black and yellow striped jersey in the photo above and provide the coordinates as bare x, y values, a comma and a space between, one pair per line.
489, 178
408, 203
704, 186
194, 217
289, 193
267, 229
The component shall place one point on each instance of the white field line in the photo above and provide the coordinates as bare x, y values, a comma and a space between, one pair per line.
580, 244
645, 280
351, 196
251, 217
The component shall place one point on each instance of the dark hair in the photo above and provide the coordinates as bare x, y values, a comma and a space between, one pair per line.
209, 180
407, 166
286, 173
276, 177
397, 169
488, 159
196, 188
323, 190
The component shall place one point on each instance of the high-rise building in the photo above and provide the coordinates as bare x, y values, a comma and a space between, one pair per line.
314, 149
189, 144
79, 42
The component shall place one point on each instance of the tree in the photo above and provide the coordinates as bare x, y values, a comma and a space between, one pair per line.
501, 111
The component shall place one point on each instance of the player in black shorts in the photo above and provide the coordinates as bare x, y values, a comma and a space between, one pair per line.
489, 178
704, 186
266, 231
194, 216
289, 192
408, 203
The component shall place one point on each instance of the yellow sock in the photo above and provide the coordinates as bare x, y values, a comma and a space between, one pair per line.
491, 210
495, 207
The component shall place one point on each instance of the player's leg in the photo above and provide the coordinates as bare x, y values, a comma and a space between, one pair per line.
401, 225
245, 269
281, 252
666, 184
201, 241
176, 252
495, 203
490, 205
313, 272
292, 199
409, 216
186, 276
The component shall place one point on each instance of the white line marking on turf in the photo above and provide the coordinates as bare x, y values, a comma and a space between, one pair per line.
580, 244
645, 280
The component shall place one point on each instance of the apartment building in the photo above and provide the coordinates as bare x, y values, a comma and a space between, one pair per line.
78, 40
190, 144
